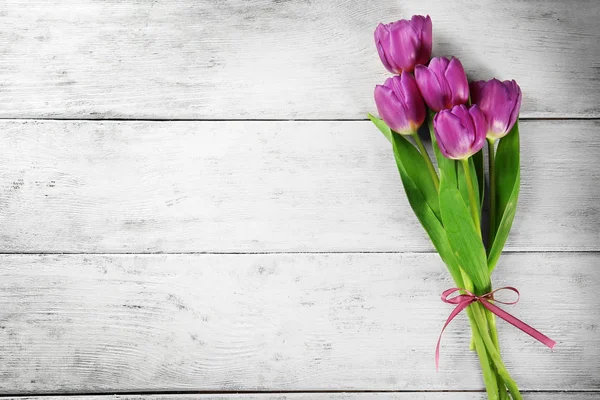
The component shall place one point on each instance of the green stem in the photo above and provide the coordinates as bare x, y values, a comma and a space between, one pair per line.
484, 328
502, 388
489, 375
491, 322
481, 323
492, 164
472, 199
425, 155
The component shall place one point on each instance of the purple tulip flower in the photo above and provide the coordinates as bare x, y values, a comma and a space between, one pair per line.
460, 131
404, 44
443, 83
400, 104
500, 102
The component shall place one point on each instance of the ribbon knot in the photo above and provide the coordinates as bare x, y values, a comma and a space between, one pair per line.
464, 300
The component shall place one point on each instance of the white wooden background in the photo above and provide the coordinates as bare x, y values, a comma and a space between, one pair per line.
193, 207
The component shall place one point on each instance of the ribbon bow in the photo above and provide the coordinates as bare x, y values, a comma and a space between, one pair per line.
463, 300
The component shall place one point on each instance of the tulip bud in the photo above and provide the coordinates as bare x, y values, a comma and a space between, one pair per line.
400, 104
500, 102
443, 83
403, 44
460, 131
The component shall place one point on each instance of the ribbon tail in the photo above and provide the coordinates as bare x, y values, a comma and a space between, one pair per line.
534, 333
461, 306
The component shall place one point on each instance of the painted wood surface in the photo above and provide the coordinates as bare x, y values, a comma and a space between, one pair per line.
72, 186
290, 322
360, 311
276, 59
327, 396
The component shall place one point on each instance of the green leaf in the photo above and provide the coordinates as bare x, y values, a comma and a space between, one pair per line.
463, 237
507, 168
430, 222
382, 126
462, 184
508, 181
445, 165
415, 167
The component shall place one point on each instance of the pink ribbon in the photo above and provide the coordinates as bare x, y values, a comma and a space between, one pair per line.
463, 300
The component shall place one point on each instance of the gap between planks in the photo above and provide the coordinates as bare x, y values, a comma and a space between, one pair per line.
304, 395
191, 253
174, 393
256, 119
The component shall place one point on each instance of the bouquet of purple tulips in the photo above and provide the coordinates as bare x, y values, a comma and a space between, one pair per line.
448, 200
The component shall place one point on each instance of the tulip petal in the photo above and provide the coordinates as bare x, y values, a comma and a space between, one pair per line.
412, 98
452, 135
382, 41
439, 65
400, 104
500, 102
462, 112
430, 88
479, 128
517, 106
403, 44
457, 81
383, 58
417, 22
404, 41
436, 130
390, 109
497, 105
424, 27
396, 85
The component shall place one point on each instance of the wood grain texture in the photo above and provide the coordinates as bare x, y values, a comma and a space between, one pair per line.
291, 322
326, 396
261, 187
265, 59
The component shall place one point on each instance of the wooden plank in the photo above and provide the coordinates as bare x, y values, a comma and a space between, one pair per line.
325, 396
276, 59
70, 186
291, 322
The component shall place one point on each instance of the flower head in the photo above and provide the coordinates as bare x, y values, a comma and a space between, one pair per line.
442, 83
500, 102
400, 104
460, 131
404, 44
